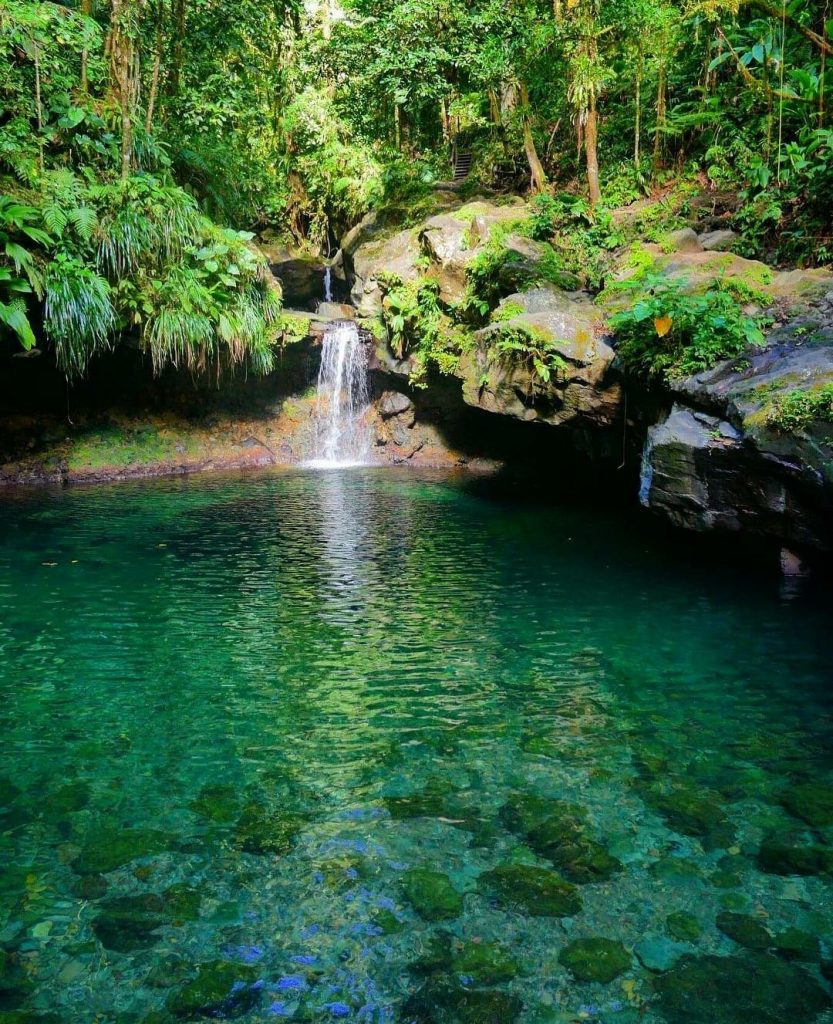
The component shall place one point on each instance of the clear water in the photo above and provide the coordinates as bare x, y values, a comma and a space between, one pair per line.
281, 693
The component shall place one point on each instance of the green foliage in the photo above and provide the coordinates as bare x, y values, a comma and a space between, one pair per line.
798, 409
528, 347
417, 327
19, 273
78, 313
670, 333
582, 238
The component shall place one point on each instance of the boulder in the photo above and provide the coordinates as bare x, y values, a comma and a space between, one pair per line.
398, 255
453, 240
431, 894
732, 467
581, 387
684, 240
336, 311
718, 241
599, 960
393, 404
700, 473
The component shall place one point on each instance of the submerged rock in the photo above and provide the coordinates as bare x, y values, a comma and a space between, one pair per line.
565, 843
431, 894
597, 959
486, 963
811, 802
220, 988
444, 1000
128, 922
531, 890
794, 855
747, 989
263, 831
683, 926
15, 983
217, 803
745, 930
692, 811
795, 944
109, 848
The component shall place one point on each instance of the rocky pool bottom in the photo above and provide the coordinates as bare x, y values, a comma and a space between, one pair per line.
374, 746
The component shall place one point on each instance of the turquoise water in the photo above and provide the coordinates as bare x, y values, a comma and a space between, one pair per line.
372, 746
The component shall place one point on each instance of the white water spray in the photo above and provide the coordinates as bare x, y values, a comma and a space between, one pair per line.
341, 435
328, 284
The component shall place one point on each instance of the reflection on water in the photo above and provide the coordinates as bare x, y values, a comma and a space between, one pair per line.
365, 746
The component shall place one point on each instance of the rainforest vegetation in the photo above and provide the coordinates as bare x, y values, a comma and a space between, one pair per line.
144, 144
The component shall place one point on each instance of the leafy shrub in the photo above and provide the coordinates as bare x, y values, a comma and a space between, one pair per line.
798, 409
418, 327
526, 346
78, 313
669, 332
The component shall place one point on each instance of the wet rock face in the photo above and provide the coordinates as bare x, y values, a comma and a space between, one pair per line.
703, 473
582, 386
739, 990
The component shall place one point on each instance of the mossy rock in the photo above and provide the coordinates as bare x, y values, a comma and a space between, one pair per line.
220, 988
752, 988
811, 802
745, 930
388, 922
723, 879
217, 803
67, 799
789, 855
525, 812
564, 842
15, 983
795, 944
262, 831
90, 887
443, 1000
27, 1017
531, 890
128, 922
596, 959
431, 894
109, 848
692, 811
427, 803
486, 963
682, 926
671, 868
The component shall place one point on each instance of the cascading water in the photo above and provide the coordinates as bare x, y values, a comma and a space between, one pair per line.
341, 436
328, 284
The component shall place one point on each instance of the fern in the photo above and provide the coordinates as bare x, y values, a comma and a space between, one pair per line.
78, 314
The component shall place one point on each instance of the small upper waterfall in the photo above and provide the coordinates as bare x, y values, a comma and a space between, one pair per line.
341, 436
328, 283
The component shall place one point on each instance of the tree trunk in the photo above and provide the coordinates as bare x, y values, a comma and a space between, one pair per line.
157, 65
591, 148
175, 77
123, 85
397, 126
86, 10
536, 168
38, 105
661, 109
637, 128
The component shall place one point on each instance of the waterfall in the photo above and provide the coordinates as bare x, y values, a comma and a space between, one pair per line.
328, 284
646, 476
341, 436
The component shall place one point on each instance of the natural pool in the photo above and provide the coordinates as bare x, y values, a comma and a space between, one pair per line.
369, 746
